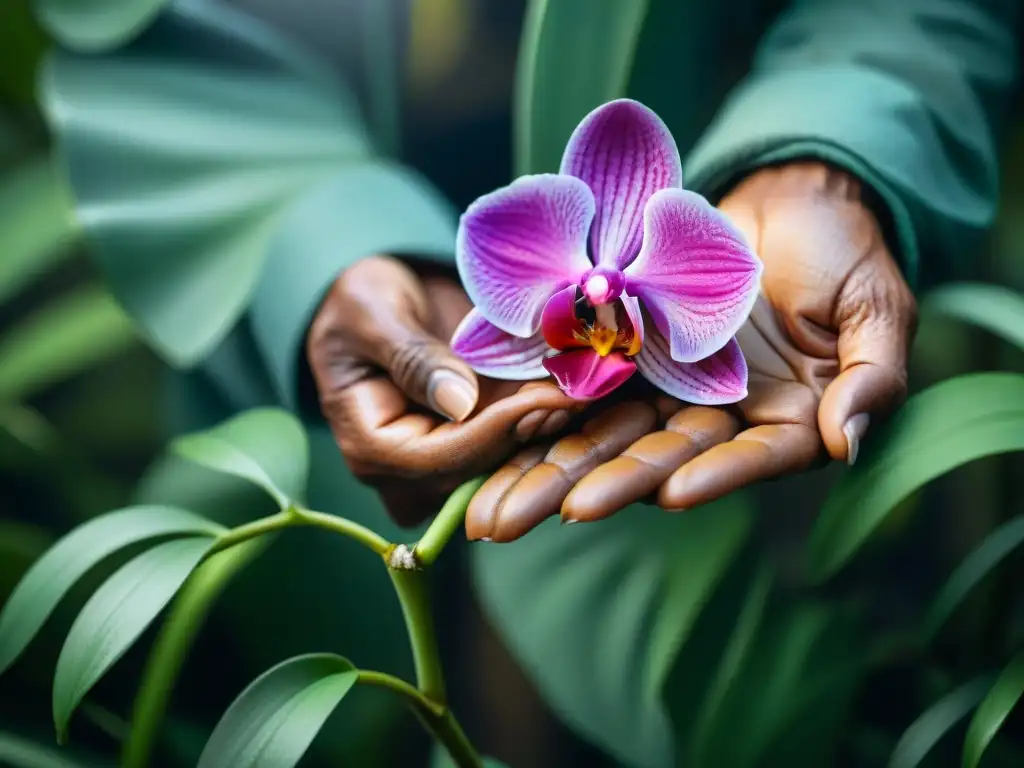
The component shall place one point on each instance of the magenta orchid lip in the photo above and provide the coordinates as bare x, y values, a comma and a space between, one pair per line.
566, 271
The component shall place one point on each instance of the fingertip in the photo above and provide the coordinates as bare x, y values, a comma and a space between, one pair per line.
851, 400
451, 394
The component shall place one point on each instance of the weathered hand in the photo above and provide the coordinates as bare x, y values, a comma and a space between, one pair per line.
826, 347
378, 352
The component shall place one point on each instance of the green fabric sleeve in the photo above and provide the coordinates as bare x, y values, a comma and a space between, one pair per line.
907, 95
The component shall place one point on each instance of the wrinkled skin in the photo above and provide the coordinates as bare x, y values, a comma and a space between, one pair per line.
826, 347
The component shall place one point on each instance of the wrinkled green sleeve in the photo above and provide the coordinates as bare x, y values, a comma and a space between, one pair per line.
907, 94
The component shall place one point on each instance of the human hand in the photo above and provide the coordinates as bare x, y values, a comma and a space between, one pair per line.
411, 418
826, 348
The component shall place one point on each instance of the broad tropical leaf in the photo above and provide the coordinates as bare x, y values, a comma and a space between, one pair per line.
276, 718
266, 446
114, 617
91, 25
597, 614
936, 721
589, 43
944, 427
1000, 700
992, 307
53, 575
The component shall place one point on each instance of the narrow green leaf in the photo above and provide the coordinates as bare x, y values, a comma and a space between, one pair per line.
997, 309
53, 575
73, 333
996, 547
92, 25
574, 56
276, 718
266, 446
16, 752
993, 711
37, 225
114, 617
936, 721
944, 427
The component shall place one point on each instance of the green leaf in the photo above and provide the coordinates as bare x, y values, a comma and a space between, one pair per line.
37, 223
71, 334
266, 446
53, 575
997, 309
16, 752
276, 718
993, 711
588, 43
597, 614
996, 547
92, 25
936, 721
114, 617
944, 427
183, 148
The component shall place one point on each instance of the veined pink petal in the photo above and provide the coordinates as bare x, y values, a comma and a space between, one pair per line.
520, 244
625, 153
559, 324
585, 375
632, 307
695, 274
490, 351
717, 380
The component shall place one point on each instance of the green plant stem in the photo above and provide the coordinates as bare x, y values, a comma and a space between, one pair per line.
446, 729
448, 520
294, 517
415, 697
414, 597
173, 643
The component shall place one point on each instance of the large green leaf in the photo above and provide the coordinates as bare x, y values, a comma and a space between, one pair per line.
993, 711
114, 617
996, 547
276, 718
92, 25
182, 149
597, 614
992, 307
53, 575
16, 752
265, 446
71, 334
588, 43
935, 722
944, 427
36, 224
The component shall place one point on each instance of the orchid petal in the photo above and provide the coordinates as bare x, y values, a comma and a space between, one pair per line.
717, 380
632, 307
559, 324
695, 274
490, 351
625, 153
518, 245
585, 375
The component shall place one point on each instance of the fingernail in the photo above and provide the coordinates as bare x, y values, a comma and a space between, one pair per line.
530, 423
554, 423
450, 394
854, 431
484, 538
569, 521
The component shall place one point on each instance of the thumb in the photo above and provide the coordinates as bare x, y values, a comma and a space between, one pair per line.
876, 316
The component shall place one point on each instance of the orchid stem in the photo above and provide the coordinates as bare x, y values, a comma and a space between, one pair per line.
447, 522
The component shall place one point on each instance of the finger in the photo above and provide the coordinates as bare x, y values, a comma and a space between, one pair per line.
480, 514
645, 465
539, 493
759, 453
877, 319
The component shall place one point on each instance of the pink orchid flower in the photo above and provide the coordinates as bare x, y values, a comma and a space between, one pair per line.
562, 269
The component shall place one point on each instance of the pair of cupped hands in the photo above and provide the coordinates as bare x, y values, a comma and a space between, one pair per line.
826, 346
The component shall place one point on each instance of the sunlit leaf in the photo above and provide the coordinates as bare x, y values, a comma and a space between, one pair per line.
36, 222
944, 427
71, 334
91, 25
276, 718
997, 309
16, 752
265, 446
996, 547
53, 575
114, 617
588, 43
182, 149
597, 614
1000, 700
936, 721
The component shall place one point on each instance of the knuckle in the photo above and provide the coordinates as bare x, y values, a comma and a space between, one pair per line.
409, 364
